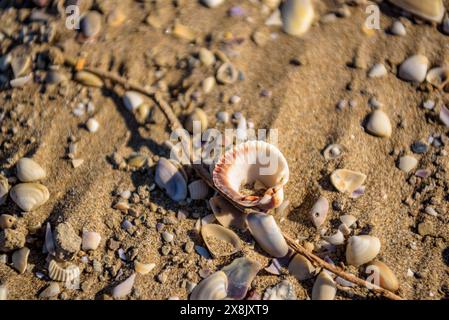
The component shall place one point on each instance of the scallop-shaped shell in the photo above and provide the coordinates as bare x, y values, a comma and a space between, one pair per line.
432, 10
301, 268
29, 196
170, 178
241, 273
362, 249
319, 211
336, 239
132, 100
247, 163
227, 214
91, 240
198, 190
29, 170
215, 231
61, 274
267, 233
4, 188
324, 287
438, 77
387, 278
213, 287
123, 289
347, 180
297, 16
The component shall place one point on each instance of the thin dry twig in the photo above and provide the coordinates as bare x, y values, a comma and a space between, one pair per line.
205, 176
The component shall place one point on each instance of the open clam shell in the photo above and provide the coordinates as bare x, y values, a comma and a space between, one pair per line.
324, 287
362, 249
301, 268
29, 196
438, 77
219, 240
226, 214
432, 10
247, 163
213, 287
267, 233
240, 273
170, 178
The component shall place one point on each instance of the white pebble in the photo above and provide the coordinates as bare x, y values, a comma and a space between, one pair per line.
398, 29
92, 125
377, 71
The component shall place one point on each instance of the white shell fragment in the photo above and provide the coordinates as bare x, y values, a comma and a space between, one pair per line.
51, 291
198, 190
170, 178
407, 163
301, 268
379, 124
414, 69
29, 170
319, 211
377, 71
348, 220
324, 287
297, 16
132, 100
361, 249
3, 293
333, 151
347, 181
432, 10
226, 214
91, 240
241, 272
49, 244
20, 259
29, 196
124, 288
335, 239
284, 290
213, 287
143, 268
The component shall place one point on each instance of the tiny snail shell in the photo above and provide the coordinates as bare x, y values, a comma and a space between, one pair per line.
123, 289
29, 170
213, 287
319, 211
29, 196
362, 249
347, 180
324, 287
301, 268
387, 279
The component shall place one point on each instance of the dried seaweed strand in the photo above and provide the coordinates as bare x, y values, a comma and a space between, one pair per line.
205, 176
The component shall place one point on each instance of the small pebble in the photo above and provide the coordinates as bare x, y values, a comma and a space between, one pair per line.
167, 236
208, 84
377, 71
206, 57
414, 69
92, 125
431, 211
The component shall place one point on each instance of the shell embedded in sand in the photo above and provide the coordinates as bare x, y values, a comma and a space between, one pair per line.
362, 249
438, 77
91, 240
387, 278
414, 69
432, 10
88, 79
123, 289
324, 287
319, 211
212, 3
63, 274
143, 268
226, 214
132, 100
170, 178
297, 16
377, 71
301, 268
4, 188
333, 151
20, 259
29, 170
29, 196
3, 292
213, 287
198, 190
267, 233
211, 232
241, 273
347, 181
407, 163
247, 163
379, 124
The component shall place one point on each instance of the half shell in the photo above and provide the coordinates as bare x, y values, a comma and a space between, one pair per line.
61, 274
362, 249
267, 233
29, 170
347, 180
247, 163
29, 196
213, 287
218, 238
432, 10
301, 268
227, 214
241, 272
324, 287
170, 178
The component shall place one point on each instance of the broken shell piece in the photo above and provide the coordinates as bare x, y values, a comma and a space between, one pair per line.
212, 3
284, 290
61, 274
20, 259
324, 287
143, 268
49, 244
227, 74
345, 180
387, 278
91, 240
132, 100
407, 163
267, 233
29, 196
7, 221
319, 211
344, 229
219, 240
335, 239
213, 287
297, 16
124, 288
301, 268
414, 69
357, 193
274, 267
432, 10
444, 115
348, 220
52, 290
198, 190
3, 293
227, 214
29, 170
333, 151
438, 77
170, 178
4, 188
379, 124
241, 272
361, 249
247, 163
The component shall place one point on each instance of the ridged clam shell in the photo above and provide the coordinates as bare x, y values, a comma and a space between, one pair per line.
414, 69
90, 241
132, 100
61, 274
247, 163
387, 278
432, 10
438, 77
301, 268
123, 289
213, 287
361, 249
319, 211
20, 259
347, 181
4, 188
336, 239
198, 190
284, 290
143, 268
297, 16
241, 272
29, 170
29, 196
221, 233
227, 214
324, 287
170, 178
267, 233
88, 79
